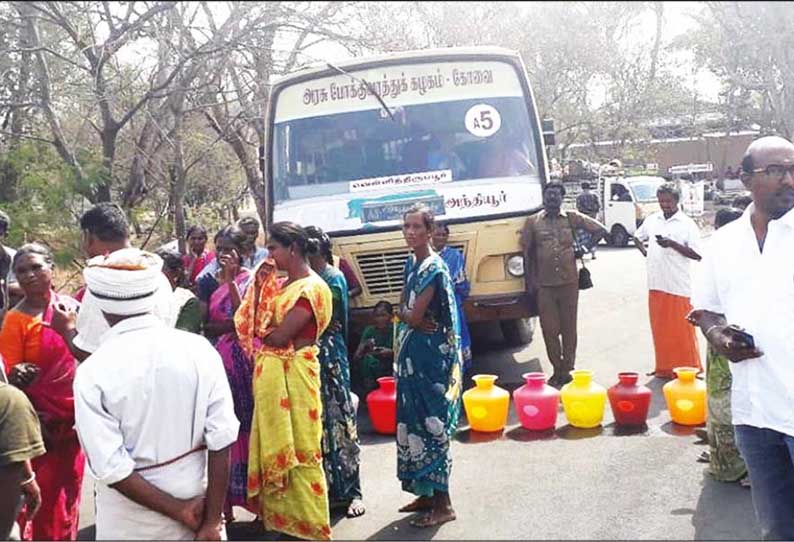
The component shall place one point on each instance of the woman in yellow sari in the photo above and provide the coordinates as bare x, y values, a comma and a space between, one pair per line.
279, 322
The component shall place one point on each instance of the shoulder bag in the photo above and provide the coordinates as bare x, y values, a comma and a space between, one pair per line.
585, 281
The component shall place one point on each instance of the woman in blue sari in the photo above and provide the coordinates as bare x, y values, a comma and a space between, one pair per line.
428, 375
457, 271
340, 436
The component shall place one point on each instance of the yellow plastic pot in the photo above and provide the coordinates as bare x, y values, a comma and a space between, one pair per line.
486, 404
583, 400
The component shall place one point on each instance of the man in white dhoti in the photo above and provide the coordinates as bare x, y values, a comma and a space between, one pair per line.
154, 413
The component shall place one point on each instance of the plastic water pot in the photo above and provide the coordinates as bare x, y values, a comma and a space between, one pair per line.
536, 403
629, 401
583, 400
382, 405
686, 397
486, 404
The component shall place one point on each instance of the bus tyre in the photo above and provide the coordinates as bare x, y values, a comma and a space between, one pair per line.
517, 332
619, 236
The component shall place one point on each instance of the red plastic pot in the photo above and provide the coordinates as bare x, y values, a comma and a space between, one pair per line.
382, 405
629, 401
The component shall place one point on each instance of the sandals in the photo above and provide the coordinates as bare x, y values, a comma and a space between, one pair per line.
704, 457
426, 520
356, 509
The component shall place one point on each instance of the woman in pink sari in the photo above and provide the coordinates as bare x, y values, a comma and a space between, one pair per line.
39, 362
222, 292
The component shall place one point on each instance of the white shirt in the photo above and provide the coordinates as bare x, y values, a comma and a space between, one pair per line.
669, 271
91, 323
149, 394
755, 290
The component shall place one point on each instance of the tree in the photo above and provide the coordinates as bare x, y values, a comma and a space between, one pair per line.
733, 41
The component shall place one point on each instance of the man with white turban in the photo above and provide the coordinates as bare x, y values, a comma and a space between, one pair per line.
105, 230
154, 413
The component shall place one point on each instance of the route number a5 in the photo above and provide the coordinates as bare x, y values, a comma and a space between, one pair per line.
483, 120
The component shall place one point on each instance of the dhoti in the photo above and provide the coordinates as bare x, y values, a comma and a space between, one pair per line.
673, 336
119, 518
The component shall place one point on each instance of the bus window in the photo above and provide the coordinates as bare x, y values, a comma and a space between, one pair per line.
466, 140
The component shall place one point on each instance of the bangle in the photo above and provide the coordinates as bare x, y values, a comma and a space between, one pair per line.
29, 480
710, 329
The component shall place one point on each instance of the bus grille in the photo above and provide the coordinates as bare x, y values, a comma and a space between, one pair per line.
383, 271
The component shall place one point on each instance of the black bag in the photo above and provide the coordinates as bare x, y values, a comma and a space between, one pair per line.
585, 280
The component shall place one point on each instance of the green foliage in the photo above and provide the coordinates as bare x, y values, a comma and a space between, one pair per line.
46, 204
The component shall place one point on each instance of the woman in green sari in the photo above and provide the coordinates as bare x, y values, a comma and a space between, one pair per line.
340, 436
375, 352
725, 461
188, 313
429, 373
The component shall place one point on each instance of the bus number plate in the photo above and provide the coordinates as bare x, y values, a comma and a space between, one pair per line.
394, 210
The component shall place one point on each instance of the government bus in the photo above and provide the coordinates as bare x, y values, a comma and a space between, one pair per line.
351, 146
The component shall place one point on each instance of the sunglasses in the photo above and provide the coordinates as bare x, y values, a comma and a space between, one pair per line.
776, 171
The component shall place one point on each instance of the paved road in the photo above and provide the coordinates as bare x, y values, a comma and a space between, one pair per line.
570, 483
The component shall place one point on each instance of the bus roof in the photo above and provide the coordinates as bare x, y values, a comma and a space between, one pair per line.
353, 63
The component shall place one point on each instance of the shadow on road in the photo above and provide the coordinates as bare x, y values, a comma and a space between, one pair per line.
616, 430
402, 530
724, 511
678, 430
569, 432
87, 533
468, 436
657, 399
519, 434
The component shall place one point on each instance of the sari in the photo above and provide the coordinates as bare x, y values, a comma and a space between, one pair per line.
186, 311
725, 461
457, 271
340, 436
239, 371
59, 472
372, 367
286, 482
201, 262
429, 382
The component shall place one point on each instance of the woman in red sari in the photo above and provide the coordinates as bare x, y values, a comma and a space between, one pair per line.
39, 362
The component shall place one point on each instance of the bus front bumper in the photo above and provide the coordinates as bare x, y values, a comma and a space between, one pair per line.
501, 307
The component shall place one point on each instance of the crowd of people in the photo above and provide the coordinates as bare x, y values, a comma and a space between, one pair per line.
191, 384
742, 299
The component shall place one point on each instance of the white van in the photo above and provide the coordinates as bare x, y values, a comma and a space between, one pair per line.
625, 203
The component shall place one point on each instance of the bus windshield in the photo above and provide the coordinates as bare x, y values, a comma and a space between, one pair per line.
459, 138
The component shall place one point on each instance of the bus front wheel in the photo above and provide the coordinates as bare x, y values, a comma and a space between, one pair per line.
517, 332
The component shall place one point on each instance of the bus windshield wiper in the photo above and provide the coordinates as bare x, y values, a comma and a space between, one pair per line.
366, 84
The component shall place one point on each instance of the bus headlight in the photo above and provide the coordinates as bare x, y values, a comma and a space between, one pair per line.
515, 265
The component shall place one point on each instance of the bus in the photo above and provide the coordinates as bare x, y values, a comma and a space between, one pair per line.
351, 146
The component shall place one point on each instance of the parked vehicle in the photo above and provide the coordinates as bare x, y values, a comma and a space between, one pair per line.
730, 189
625, 203
351, 147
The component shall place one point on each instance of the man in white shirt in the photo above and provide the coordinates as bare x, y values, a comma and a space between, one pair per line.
154, 413
254, 253
747, 279
105, 230
672, 239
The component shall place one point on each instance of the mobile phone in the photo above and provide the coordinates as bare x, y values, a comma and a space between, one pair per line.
741, 336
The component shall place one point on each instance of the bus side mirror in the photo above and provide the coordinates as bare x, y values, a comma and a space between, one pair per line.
547, 127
